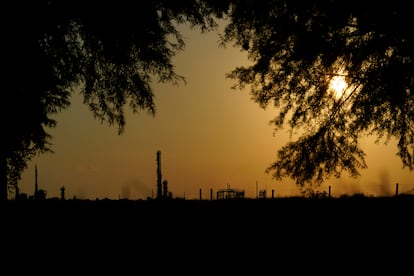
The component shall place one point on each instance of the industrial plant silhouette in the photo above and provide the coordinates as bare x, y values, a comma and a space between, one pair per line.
163, 191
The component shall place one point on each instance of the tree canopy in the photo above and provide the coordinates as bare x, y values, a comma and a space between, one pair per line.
297, 48
112, 50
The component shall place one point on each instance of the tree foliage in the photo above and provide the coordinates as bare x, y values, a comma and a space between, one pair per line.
112, 50
297, 48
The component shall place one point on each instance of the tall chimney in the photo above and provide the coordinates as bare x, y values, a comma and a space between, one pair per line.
159, 176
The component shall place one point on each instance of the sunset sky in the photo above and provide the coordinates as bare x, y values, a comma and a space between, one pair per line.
210, 137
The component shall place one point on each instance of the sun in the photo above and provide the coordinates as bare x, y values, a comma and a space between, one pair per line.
338, 86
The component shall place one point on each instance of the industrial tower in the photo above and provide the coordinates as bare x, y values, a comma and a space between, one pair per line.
162, 185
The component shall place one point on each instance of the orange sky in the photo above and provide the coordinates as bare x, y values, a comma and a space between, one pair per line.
209, 135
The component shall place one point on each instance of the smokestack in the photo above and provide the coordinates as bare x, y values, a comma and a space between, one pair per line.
35, 191
159, 176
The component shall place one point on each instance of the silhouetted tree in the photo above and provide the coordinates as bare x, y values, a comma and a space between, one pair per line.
298, 47
110, 50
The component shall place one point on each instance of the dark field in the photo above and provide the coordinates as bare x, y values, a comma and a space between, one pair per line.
352, 208
234, 234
